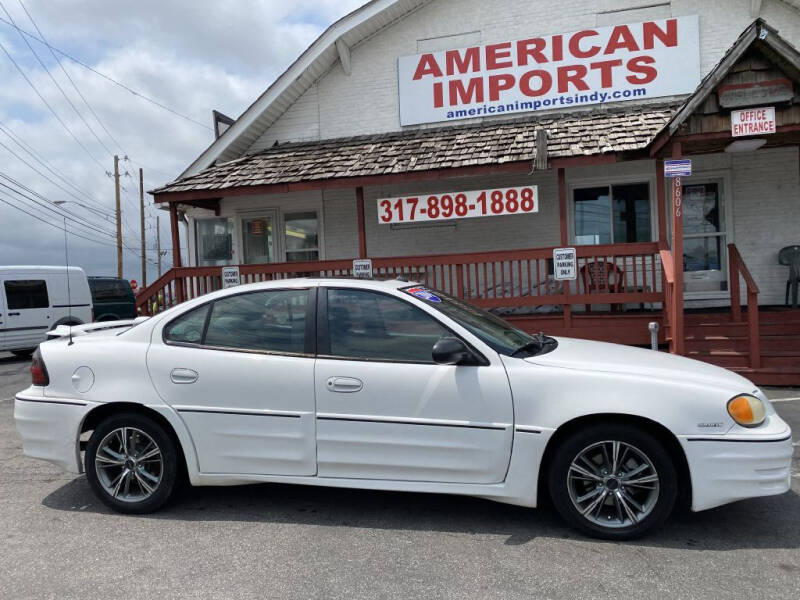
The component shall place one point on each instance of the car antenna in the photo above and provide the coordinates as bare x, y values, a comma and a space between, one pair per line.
69, 295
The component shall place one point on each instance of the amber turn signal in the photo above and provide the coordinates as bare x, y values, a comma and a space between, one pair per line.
747, 411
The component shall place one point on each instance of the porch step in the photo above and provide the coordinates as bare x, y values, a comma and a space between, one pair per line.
731, 358
765, 315
738, 329
742, 343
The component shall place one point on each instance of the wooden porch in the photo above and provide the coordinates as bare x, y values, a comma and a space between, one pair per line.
620, 290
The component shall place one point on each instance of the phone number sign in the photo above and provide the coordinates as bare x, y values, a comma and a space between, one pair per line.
459, 205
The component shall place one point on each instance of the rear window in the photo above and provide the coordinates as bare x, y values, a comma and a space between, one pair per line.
26, 293
110, 290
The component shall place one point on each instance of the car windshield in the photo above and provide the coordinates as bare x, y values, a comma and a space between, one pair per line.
501, 336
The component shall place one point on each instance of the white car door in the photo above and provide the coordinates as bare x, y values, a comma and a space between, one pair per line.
240, 373
386, 411
27, 316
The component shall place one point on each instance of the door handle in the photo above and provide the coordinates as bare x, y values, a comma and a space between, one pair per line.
183, 376
14, 314
346, 385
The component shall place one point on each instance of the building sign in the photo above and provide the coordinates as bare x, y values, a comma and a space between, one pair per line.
753, 121
593, 66
565, 264
678, 168
753, 94
362, 268
230, 277
459, 205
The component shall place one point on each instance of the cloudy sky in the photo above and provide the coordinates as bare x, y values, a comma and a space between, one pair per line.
188, 55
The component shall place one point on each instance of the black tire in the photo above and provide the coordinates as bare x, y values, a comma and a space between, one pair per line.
26, 353
658, 498
167, 471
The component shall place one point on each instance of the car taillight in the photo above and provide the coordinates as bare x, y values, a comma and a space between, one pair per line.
39, 374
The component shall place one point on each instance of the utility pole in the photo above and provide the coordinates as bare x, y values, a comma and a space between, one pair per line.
158, 244
119, 217
144, 247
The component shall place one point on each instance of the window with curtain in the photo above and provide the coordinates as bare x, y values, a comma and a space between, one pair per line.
301, 236
214, 242
612, 214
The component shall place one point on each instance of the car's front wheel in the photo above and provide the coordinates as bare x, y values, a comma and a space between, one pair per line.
613, 481
131, 463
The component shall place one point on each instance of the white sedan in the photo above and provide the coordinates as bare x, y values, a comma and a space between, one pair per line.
394, 386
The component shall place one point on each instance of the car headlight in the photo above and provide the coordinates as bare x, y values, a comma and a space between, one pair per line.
747, 410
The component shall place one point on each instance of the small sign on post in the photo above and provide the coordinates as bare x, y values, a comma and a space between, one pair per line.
678, 168
230, 277
362, 268
565, 264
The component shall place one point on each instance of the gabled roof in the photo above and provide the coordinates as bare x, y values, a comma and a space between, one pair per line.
600, 131
758, 34
308, 68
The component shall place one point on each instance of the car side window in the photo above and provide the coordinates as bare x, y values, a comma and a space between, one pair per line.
188, 328
26, 293
272, 321
373, 326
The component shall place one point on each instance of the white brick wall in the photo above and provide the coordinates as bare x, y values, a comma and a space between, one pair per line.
366, 101
766, 206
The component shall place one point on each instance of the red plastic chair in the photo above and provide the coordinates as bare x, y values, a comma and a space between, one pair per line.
602, 277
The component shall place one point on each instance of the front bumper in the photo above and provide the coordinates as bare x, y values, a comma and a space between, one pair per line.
49, 428
730, 468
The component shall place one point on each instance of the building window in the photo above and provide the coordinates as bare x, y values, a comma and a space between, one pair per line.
612, 214
214, 242
301, 236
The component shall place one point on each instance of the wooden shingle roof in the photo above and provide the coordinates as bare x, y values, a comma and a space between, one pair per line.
628, 129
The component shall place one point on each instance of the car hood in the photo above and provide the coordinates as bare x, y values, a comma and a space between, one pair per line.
587, 355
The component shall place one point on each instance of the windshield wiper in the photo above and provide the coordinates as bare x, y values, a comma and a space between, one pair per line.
536, 344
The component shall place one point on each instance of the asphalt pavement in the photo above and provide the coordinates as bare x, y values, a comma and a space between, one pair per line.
282, 541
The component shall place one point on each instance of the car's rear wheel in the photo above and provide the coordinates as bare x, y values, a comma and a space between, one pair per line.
131, 463
613, 481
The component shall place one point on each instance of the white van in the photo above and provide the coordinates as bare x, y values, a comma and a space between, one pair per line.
34, 300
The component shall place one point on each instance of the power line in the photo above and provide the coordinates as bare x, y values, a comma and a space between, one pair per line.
58, 86
106, 77
47, 104
66, 73
38, 157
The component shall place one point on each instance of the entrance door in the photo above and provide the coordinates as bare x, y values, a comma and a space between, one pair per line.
386, 411
258, 239
27, 316
705, 255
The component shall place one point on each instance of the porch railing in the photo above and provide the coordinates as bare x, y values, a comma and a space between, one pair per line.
736, 267
519, 282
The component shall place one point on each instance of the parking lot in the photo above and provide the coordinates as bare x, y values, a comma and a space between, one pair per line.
280, 541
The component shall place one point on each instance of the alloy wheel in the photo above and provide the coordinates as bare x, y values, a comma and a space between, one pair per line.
613, 484
129, 464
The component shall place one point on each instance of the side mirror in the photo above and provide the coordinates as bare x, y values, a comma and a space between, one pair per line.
451, 351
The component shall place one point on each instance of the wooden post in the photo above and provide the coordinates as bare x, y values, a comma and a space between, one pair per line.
176, 248
661, 205
118, 212
141, 218
362, 232
733, 284
562, 212
562, 205
677, 255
